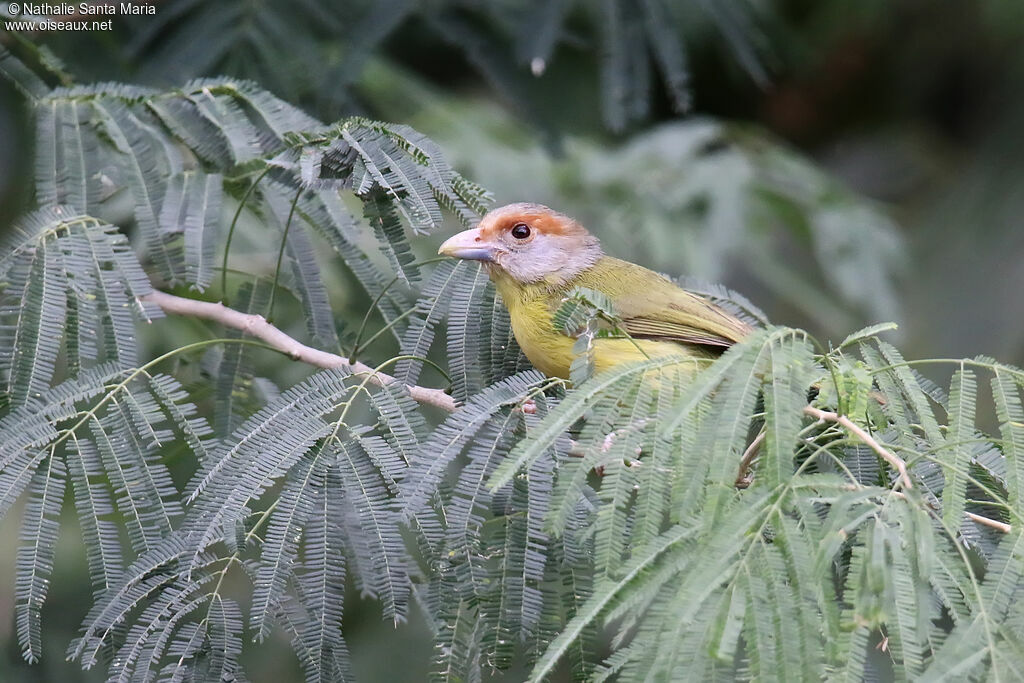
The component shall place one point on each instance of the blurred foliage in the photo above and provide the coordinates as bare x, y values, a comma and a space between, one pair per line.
315, 52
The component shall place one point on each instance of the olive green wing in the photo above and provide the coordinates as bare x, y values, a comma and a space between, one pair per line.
653, 307
680, 317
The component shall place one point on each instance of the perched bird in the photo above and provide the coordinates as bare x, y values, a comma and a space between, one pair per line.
537, 256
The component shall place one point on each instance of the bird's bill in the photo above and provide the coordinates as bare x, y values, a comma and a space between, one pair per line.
468, 244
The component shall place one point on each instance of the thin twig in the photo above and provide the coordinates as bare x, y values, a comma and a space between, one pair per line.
258, 327
995, 524
854, 429
987, 521
751, 452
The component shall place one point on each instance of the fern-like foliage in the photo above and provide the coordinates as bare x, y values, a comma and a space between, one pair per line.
775, 514
797, 574
70, 281
82, 413
103, 431
335, 514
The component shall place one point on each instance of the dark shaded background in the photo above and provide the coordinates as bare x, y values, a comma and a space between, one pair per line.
918, 105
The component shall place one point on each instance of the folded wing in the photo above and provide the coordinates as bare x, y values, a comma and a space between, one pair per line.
652, 307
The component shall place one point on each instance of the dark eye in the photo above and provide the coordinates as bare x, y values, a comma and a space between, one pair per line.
520, 231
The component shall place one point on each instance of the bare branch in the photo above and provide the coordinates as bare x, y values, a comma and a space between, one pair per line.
743, 478
854, 429
1001, 526
258, 327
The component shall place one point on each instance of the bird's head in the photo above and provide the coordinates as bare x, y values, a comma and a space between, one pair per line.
529, 243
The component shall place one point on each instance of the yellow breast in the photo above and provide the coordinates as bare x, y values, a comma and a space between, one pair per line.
531, 309
548, 351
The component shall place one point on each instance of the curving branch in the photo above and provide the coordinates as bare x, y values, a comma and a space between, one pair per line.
857, 431
258, 327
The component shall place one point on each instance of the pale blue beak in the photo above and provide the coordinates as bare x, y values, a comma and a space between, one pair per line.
468, 244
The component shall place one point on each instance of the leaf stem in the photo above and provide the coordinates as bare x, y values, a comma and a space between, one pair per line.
280, 253
231, 232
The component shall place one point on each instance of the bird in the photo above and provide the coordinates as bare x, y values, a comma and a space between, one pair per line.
537, 256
